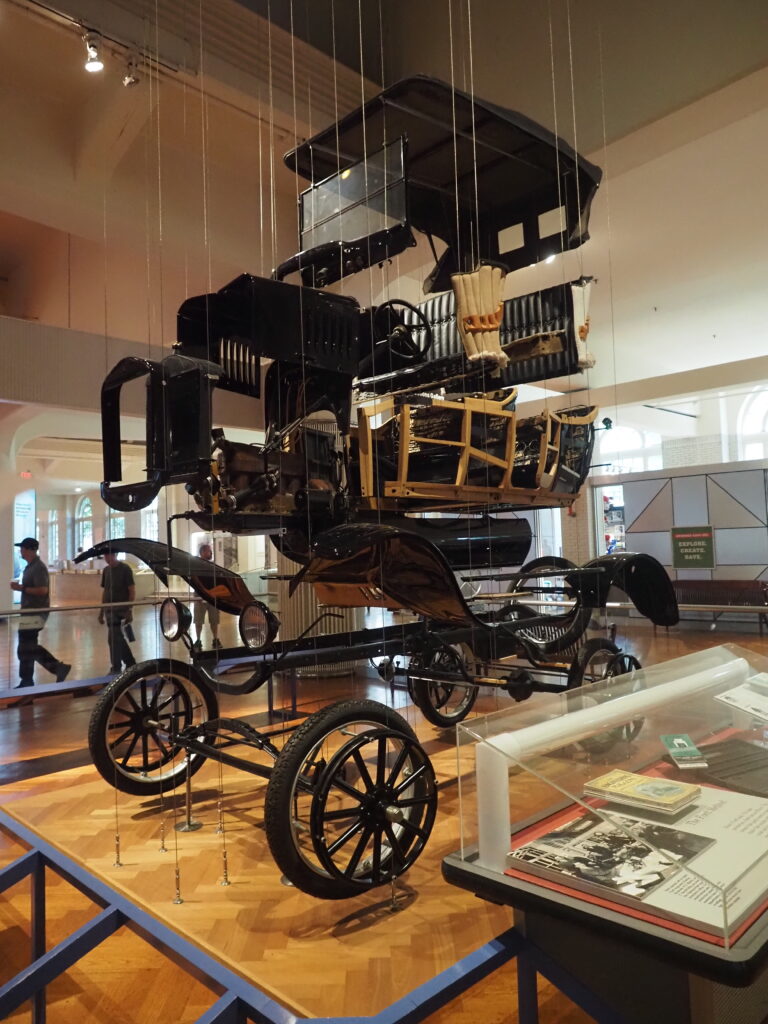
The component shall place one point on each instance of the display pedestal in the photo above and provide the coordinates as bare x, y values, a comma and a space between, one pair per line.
637, 986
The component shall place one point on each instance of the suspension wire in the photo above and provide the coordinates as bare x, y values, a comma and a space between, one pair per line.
109, 518
497, 372
384, 273
559, 181
300, 438
608, 217
160, 236
212, 355
586, 370
455, 134
151, 45
272, 185
474, 129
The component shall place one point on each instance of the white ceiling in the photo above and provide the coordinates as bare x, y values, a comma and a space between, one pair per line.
623, 63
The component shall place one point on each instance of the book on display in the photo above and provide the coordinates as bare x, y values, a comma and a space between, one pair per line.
708, 870
664, 796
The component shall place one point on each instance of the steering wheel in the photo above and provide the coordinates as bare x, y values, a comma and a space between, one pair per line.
389, 325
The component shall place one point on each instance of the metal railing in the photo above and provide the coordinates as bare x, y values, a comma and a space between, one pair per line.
233, 999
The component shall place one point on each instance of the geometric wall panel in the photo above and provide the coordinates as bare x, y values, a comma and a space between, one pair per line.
733, 502
637, 495
657, 514
741, 547
659, 545
725, 510
747, 487
689, 499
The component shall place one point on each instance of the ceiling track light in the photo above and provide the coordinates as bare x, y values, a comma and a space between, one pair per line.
93, 61
131, 76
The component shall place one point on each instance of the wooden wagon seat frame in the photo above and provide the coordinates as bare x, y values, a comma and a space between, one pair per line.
386, 409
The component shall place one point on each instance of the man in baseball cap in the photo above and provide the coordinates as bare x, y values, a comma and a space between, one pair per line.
34, 588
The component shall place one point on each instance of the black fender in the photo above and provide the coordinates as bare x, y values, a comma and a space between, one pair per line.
212, 582
404, 566
643, 579
410, 571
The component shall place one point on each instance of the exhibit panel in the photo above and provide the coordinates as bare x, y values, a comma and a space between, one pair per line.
633, 811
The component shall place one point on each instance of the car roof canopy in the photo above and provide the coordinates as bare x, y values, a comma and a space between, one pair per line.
490, 182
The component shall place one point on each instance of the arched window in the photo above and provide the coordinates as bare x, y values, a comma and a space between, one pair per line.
149, 522
53, 535
751, 426
83, 524
115, 525
625, 449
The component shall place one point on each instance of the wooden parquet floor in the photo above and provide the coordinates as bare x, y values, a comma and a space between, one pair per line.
318, 958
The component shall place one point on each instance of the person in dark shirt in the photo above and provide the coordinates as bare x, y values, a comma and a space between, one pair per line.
117, 585
34, 588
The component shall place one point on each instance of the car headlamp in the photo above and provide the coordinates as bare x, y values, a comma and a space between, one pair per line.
258, 626
175, 618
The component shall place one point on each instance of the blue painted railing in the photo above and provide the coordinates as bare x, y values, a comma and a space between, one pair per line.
239, 1001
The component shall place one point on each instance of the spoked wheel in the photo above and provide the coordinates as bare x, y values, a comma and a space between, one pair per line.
596, 661
132, 728
351, 800
443, 703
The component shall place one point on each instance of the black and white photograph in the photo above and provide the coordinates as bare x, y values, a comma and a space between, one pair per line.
599, 852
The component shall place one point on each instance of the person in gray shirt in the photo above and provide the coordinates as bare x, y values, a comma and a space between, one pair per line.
202, 608
118, 585
34, 594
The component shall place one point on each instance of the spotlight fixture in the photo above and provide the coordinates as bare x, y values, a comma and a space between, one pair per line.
93, 61
131, 76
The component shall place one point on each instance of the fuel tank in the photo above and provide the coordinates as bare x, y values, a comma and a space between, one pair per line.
471, 542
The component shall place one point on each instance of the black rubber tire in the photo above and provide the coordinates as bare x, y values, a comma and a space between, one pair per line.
586, 654
432, 698
299, 777
172, 693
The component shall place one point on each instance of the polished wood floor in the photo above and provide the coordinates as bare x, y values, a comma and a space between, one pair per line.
342, 957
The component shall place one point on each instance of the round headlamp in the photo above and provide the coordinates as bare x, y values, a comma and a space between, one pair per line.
258, 626
175, 618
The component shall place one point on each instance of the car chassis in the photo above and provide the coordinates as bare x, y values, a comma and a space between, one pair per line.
351, 797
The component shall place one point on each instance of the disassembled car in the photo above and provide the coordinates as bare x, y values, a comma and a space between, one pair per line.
373, 417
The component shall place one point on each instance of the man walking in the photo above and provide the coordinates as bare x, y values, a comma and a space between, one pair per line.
34, 588
117, 585
201, 608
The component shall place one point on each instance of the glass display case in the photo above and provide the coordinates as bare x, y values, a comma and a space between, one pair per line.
636, 806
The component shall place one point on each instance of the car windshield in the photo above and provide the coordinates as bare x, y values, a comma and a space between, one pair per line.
362, 199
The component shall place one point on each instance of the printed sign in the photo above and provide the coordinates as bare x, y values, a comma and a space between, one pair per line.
693, 547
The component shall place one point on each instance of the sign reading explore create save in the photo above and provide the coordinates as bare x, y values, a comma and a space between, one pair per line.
693, 547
